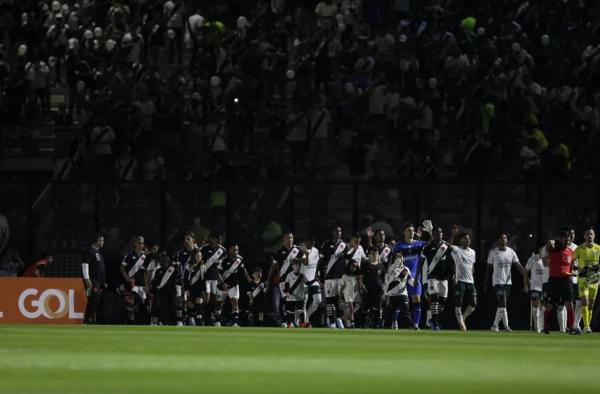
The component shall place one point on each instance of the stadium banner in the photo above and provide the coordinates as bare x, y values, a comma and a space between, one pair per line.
42, 300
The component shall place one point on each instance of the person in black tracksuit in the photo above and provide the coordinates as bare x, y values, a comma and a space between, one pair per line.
94, 278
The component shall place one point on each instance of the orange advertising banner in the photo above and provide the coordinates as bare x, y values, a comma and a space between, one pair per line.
42, 300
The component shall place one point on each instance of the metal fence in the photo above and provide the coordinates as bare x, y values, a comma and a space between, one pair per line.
62, 217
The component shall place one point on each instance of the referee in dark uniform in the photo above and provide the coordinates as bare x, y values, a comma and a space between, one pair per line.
94, 278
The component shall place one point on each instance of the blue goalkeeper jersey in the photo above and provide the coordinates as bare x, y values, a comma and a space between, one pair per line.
412, 253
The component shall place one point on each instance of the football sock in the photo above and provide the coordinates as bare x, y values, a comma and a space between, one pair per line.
459, 316
330, 313
570, 316
504, 316
547, 315
536, 318
578, 312
497, 318
468, 311
314, 305
561, 315
587, 316
434, 308
416, 314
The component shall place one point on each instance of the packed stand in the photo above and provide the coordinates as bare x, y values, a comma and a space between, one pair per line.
265, 89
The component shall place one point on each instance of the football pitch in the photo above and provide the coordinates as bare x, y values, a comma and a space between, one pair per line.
117, 359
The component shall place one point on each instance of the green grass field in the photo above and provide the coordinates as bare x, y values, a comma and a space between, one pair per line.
116, 359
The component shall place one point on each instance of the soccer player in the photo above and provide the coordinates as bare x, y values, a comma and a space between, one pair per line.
293, 291
560, 261
500, 261
231, 269
412, 251
571, 245
464, 284
281, 267
256, 298
181, 261
133, 268
94, 278
536, 274
332, 264
439, 269
383, 249
586, 256
195, 287
213, 254
397, 278
312, 288
164, 287
371, 285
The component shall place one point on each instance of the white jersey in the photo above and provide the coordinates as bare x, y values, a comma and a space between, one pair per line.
296, 293
357, 255
538, 274
502, 261
309, 270
395, 284
573, 246
464, 259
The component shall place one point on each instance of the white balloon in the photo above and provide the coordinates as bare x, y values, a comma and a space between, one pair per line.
215, 81
290, 74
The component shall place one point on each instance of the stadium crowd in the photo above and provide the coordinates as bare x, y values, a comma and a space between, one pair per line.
184, 89
357, 282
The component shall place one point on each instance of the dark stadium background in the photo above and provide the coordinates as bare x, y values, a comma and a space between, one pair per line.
253, 196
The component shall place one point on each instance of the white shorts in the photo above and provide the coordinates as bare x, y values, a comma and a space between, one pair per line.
350, 291
440, 287
211, 286
141, 292
333, 287
232, 292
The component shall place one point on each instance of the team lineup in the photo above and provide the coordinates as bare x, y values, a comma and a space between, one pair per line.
363, 282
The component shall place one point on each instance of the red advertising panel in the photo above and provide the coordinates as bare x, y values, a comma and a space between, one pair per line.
42, 300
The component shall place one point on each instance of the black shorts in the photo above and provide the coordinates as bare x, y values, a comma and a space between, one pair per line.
560, 290
196, 290
373, 298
